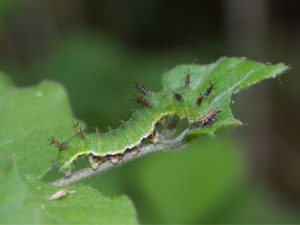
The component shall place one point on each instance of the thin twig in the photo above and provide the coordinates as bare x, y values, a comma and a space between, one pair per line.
163, 145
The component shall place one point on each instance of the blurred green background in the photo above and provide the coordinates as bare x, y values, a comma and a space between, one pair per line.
98, 48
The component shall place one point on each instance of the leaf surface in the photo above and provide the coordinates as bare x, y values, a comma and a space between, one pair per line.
29, 116
230, 76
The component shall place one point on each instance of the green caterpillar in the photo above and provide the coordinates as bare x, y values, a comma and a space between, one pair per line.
188, 94
182, 102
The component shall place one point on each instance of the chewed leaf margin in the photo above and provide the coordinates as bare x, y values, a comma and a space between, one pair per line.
231, 75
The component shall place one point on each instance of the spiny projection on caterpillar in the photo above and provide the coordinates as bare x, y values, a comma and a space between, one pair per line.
201, 96
182, 103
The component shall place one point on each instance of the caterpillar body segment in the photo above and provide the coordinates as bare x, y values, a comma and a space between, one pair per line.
113, 144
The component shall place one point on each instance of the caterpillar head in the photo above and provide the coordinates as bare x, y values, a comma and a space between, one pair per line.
67, 153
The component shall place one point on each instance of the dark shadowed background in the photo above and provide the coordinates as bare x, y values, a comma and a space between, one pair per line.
98, 48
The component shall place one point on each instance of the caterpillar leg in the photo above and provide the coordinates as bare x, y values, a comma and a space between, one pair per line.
66, 169
133, 151
173, 123
169, 130
94, 161
115, 158
153, 138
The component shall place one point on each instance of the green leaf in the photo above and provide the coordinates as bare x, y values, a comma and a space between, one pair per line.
29, 116
14, 208
5, 84
230, 75
83, 205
